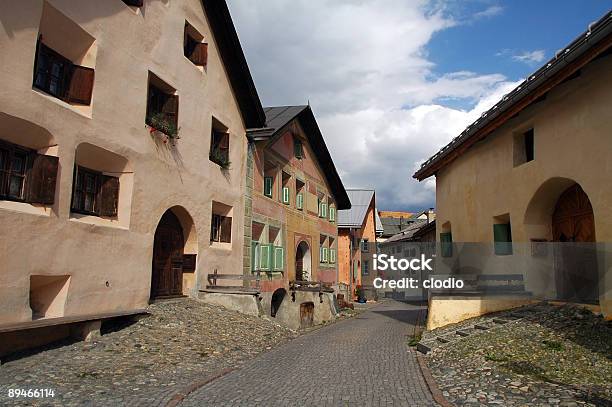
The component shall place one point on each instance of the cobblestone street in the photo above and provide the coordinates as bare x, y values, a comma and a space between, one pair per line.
363, 361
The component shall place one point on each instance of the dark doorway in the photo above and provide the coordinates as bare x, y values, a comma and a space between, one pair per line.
277, 299
306, 314
302, 257
573, 225
168, 247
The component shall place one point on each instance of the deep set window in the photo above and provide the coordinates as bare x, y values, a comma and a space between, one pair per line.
59, 77
298, 148
94, 193
524, 147
502, 236
162, 107
365, 268
221, 229
219, 145
134, 3
194, 48
27, 176
365, 245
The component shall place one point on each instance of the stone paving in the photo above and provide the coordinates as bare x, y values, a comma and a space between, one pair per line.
363, 361
554, 356
145, 364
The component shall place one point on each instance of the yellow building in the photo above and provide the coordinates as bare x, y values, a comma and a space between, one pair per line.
122, 156
536, 168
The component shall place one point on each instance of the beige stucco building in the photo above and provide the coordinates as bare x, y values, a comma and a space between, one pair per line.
532, 171
102, 206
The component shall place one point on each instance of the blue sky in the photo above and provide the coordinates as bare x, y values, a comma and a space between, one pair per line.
393, 81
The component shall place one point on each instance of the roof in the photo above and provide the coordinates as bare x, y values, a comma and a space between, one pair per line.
392, 226
279, 117
235, 63
395, 214
407, 233
589, 45
360, 202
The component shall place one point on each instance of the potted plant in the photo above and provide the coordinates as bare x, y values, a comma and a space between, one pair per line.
217, 156
159, 123
359, 293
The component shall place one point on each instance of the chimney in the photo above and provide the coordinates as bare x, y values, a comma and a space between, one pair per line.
431, 215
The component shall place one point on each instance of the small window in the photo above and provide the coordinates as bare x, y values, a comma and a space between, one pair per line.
194, 48
27, 176
502, 236
59, 77
332, 251
270, 184
322, 202
365, 268
365, 245
524, 147
298, 148
219, 145
162, 107
221, 229
446, 244
94, 193
323, 249
286, 191
299, 194
134, 3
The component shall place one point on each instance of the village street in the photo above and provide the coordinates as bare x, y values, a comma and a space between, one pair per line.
362, 361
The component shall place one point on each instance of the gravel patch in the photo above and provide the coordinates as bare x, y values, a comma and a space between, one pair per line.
147, 362
550, 356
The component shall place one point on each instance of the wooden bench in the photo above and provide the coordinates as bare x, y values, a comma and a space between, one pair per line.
232, 289
483, 284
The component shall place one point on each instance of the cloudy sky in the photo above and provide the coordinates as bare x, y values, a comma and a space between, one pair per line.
392, 81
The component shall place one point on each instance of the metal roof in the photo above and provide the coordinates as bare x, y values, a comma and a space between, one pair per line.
360, 202
407, 233
593, 42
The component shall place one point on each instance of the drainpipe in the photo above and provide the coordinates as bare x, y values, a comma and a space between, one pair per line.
351, 259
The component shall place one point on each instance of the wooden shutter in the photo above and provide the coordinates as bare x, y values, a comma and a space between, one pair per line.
108, 197
265, 257
286, 195
199, 56
254, 255
226, 230
41, 179
502, 239
81, 85
279, 256
446, 244
332, 255
170, 109
268, 186
332, 214
189, 263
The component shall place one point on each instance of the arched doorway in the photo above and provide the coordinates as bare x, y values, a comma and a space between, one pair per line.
277, 300
573, 225
168, 246
302, 262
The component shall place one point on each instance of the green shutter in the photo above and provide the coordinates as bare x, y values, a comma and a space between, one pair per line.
502, 237
325, 253
254, 248
299, 202
268, 186
279, 258
332, 214
286, 195
265, 258
323, 210
332, 255
446, 244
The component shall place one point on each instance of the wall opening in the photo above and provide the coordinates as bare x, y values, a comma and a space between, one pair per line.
48, 296
277, 299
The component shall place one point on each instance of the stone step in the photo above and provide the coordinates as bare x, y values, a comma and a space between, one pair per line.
424, 347
462, 332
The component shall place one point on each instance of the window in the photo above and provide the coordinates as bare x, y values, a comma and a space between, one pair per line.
270, 175
286, 191
268, 183
27, 176
446, 244
299, 194
219, 145
221, 229
59, 77
134, 3
298, 148
323, 249
94, 193
332, 251
332, 213
365, 268
524, 147
162, 107
322, 206
502, 236
365, 245
194, 48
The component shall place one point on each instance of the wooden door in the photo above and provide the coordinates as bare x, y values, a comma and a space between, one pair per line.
306, 314
573, 226
299, 264
168, 247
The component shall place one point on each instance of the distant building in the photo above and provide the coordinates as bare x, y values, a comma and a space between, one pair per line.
357, 229
393, 222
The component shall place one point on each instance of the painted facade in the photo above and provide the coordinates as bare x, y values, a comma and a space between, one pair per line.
292, 209
58, 262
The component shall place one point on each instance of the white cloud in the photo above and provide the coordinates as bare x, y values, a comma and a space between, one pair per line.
363, 66
490, 11
530, 57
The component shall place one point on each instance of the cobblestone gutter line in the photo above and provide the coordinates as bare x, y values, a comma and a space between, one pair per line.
436, 393
180, 396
